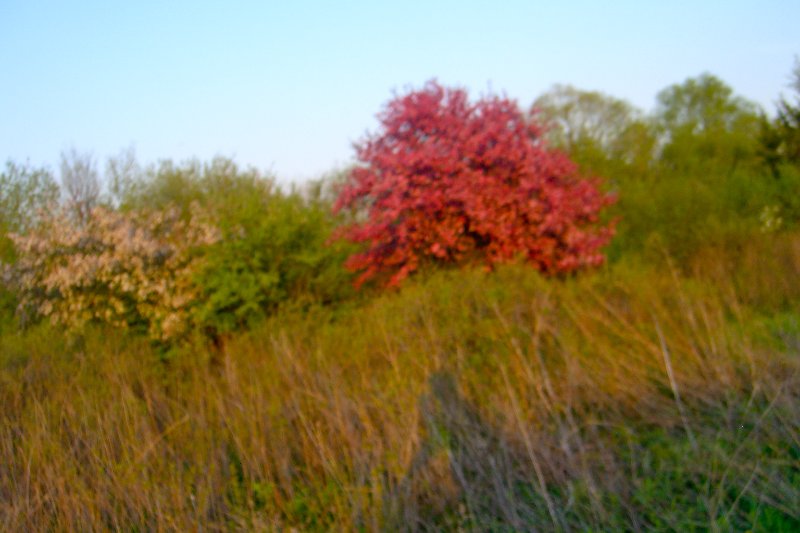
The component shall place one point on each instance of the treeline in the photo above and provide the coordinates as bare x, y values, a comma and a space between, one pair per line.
176, 250
705, 167
167, 250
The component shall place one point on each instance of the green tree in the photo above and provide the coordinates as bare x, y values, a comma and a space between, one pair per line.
780, 151
123, 176
24, 192
789, 120
171, 184
274, 251
603, 134
705, 129
780, 138
273, 248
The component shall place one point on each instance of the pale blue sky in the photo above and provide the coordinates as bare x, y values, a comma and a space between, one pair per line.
289, 86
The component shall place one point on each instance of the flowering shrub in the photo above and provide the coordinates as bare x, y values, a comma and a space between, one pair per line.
450, 181
126, 269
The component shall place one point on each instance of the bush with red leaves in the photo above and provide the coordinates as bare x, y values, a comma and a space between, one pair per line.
450, 181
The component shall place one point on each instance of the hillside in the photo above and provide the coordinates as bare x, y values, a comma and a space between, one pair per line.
633, 398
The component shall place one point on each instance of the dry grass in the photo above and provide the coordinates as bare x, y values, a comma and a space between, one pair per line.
632, 399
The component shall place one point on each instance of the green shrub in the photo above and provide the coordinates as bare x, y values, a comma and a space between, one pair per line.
274, 248
274, 251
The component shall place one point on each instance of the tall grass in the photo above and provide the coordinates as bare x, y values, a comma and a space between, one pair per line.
632, 399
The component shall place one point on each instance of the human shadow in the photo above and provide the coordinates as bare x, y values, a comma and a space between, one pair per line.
467, 474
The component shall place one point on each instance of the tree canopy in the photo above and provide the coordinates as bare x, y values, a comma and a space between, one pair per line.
705, 128
603, 134
450, 181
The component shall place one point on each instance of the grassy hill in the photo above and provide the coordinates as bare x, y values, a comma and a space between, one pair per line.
633, 398
189, 353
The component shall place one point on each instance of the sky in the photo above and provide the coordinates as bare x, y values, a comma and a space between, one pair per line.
288, 87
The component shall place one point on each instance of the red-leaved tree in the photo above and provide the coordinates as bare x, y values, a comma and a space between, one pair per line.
450, 181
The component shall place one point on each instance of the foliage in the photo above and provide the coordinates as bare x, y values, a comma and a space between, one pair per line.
688, 175
788, 122
273, 248
637, 397
181, 185
780, 138
706, 129
128, 270
449, 181
604, 135
24, 193
80, 183
123, 176
201, 246
274, 251
678, 215
502, 402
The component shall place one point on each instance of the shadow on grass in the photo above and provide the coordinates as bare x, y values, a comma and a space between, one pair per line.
465, 474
